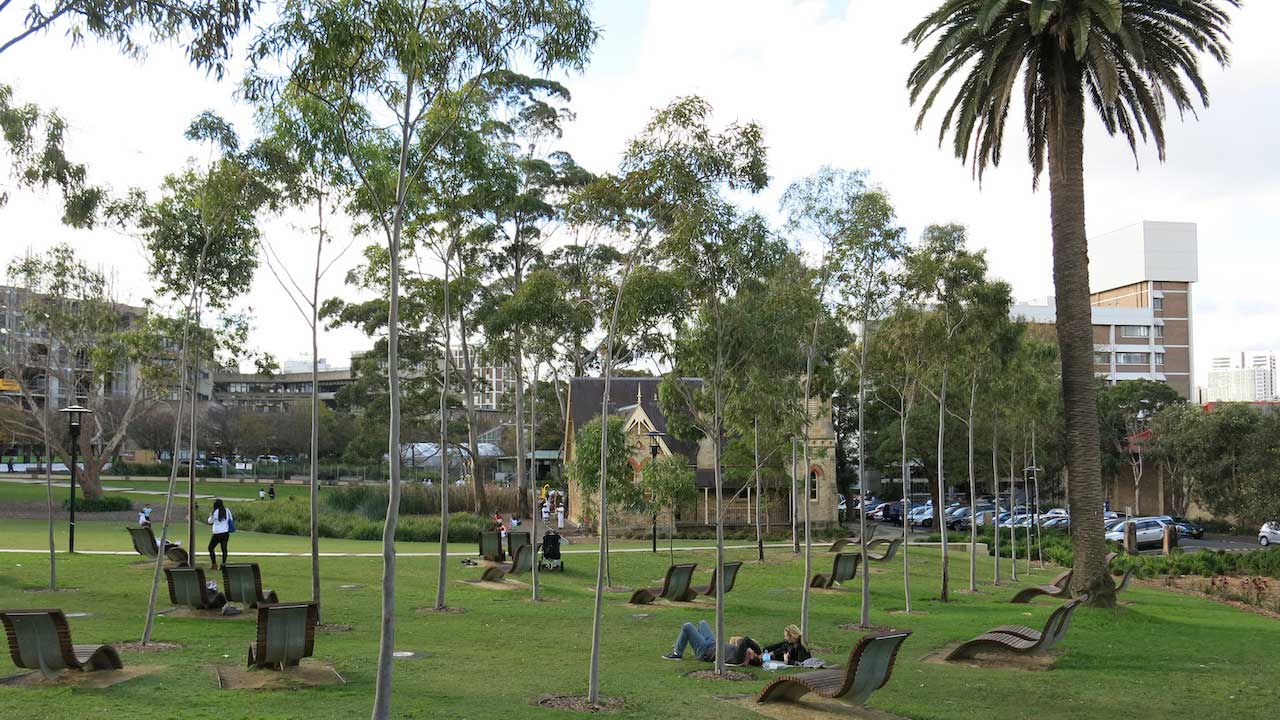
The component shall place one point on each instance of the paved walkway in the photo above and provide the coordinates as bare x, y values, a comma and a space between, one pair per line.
114, 488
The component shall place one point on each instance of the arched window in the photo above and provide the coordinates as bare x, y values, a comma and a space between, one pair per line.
815, 474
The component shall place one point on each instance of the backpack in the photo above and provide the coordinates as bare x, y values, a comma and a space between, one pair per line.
231, 521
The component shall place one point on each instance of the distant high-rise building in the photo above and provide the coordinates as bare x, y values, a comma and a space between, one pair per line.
1141, 278
1245, 376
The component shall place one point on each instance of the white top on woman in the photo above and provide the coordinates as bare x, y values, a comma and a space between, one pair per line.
220, 526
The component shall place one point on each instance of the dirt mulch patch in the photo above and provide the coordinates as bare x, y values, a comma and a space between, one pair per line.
504, 585
152, 646
578, 703
333, 627
72, 678
1267, 590
730, 675
614, 588
807, 708
206, 614
994, 660
441, 611
310, 673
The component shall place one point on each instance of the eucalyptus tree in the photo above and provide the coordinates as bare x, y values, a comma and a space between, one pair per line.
856, 225
1132, 60
986, 337
667, 484
35, 137
295, 160
1179, 440
943, 275
366, 61
897, 361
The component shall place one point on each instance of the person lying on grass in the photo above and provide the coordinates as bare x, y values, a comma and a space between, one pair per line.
738, 651
791, 650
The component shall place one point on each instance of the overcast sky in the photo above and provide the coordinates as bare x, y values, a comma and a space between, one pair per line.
826, 81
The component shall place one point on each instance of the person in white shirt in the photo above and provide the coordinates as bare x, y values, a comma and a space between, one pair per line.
220, 519
144, 516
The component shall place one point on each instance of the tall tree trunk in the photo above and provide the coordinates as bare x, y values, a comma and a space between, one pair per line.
906, 499
808, 539
864, 608
973, 491
48, 473
315, 413
442, 574
1013, 531
942, 487
759, 532
468, 383
597, 616
1075, 340
1035, 475
716, 441
995, 490
795, 517
533, 479
387, 637
191, 444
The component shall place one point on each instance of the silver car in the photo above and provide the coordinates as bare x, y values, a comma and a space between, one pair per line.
1150, 530
1269, 533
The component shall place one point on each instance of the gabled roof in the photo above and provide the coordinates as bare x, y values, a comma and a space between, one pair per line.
625, 393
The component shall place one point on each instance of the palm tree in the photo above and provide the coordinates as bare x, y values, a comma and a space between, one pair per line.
1130, 59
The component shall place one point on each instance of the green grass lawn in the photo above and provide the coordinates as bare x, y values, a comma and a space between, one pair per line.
1159, 655
33, 492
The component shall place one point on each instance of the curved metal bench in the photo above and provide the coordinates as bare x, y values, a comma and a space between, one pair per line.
521, 562
1020, 640
843, 567
869, 668
675, 587
730, 577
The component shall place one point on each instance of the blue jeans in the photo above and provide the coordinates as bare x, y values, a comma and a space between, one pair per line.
700, 636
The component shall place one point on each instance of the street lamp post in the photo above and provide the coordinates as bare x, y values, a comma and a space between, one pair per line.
73, 416
653, 436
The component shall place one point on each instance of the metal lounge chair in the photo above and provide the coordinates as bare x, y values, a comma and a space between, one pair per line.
730, 577
1124, 581
188, 588
491, 546
515, 540
844, 542
144, 542
520, 563
286, 634
890, 549
869, 668
41, 640
1060, 587
242, 583
843, 567
675, 587
1019, 640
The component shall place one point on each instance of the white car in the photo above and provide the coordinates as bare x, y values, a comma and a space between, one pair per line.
1269, 533
1150, 531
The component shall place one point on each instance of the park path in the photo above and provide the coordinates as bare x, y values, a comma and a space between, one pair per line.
585, 551
116, 488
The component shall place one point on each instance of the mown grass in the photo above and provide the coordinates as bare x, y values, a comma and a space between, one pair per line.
1159, 655
35, 492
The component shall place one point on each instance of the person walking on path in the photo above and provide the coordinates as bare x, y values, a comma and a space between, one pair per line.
223, 526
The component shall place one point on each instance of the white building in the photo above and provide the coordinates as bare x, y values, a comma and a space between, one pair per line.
1246, 376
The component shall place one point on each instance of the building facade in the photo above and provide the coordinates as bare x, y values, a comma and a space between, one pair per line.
1141, 279
1246, 376
635, 401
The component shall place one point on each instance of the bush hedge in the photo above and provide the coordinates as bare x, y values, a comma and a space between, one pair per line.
292, 517
370, 501
108, 503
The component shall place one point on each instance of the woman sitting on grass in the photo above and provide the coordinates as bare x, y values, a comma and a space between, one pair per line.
790, 651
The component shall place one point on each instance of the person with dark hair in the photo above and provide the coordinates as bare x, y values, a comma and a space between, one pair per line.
738, 651
223, 526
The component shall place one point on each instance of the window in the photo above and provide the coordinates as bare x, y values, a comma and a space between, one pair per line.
1159, 331
1101, 358
1157, 303
1135, 331
813, 485
1133, 358
1159, 359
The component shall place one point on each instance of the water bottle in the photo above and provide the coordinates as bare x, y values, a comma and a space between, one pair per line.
768, 657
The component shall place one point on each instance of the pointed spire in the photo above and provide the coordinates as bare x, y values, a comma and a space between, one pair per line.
638, 386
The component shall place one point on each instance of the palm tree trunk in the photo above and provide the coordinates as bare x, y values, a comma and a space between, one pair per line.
1075, 341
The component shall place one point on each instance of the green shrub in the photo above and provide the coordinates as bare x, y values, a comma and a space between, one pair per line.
108, 503
294, 519
415, 499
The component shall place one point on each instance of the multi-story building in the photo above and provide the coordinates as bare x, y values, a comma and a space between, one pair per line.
1141, 279
1246, 376
274, 393
493, 382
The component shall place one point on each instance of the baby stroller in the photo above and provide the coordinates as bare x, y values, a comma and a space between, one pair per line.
551, 552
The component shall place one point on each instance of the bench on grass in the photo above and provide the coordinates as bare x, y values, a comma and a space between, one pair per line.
869, 668
1021, 640
242, 583
844, 566
41, 640
188, 588
517, 540
520, 563
890, 549
1060, 587
730, 577
286, 634
844, 542
675, 587
491, 546
146, 545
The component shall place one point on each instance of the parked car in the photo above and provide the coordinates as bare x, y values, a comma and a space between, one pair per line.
1269, 533
268, 458
890, 512
1186, 528
920, 513
871, 509
1057, 522
1150, 530
1056, 512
